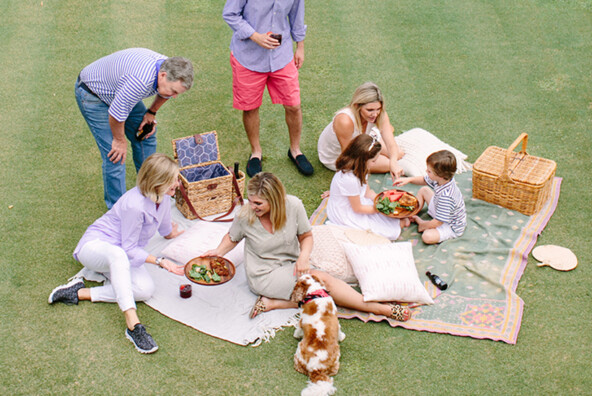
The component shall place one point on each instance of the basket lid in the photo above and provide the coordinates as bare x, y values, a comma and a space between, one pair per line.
196, 149
522, 167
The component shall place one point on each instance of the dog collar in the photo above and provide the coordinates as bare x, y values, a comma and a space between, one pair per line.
311, 296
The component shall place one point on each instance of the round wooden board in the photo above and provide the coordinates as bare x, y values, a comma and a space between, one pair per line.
402, 212
206, 261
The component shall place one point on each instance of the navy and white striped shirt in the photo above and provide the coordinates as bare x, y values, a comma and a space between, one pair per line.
449, 204
123, 78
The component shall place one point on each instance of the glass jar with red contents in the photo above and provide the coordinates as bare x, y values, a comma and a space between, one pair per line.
185, 291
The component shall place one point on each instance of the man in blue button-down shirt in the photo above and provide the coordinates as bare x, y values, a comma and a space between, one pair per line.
259, 60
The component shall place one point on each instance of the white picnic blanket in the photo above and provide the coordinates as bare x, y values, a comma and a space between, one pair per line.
221, 311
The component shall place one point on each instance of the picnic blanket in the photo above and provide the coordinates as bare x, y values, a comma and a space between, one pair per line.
221, 311
482, 268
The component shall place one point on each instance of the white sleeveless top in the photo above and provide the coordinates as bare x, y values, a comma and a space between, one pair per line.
328, 146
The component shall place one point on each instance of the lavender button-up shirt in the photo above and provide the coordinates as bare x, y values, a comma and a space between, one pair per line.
130, 224
245, 17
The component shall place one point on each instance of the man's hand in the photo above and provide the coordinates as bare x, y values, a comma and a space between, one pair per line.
148, 119
299, 55
118, 151
264, 40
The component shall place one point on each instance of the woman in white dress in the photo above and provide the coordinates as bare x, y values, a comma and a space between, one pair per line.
364, 115
351, 201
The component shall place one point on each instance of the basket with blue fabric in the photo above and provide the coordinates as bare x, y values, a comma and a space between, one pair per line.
514, 180
207, 186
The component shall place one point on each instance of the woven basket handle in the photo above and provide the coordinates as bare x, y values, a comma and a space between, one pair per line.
522, 138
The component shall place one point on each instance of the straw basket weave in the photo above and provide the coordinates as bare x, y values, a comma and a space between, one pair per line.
514, 180
207, 186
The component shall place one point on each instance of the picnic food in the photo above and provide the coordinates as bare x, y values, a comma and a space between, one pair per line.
394, 202
218, 266
209, 270
202, 273
407, 200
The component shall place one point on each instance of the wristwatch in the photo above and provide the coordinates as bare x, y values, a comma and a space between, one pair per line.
151, 112
158, 261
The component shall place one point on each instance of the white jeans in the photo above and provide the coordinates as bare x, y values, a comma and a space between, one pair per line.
126, 284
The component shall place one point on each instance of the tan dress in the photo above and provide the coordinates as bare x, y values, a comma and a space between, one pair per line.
270, 258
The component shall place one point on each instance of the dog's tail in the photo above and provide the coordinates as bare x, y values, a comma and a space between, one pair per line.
319, 385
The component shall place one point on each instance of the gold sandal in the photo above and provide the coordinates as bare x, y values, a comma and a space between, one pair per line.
399, 313
257, 308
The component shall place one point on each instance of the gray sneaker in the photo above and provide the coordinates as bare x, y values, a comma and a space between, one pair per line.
143, 341
68, 293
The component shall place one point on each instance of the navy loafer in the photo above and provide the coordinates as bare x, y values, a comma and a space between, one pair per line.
253, 166
301, 163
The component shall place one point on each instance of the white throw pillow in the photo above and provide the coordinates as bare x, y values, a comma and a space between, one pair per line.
418, 144
328, 254
387, 272
200, 238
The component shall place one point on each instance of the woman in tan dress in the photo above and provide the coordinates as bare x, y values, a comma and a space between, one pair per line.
278, 243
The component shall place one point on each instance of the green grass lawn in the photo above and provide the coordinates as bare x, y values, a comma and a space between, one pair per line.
474, 73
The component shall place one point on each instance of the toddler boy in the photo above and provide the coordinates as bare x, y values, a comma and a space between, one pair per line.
445, 202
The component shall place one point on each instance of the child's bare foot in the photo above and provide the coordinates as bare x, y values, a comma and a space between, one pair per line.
405, 222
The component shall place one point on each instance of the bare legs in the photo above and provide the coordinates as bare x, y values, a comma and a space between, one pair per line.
294, 122
343, 295
131, 315
429, 236
346, 296
252, 124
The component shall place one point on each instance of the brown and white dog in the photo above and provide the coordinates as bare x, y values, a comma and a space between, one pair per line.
318, 353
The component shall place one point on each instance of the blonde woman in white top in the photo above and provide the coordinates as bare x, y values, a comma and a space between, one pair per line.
365, 114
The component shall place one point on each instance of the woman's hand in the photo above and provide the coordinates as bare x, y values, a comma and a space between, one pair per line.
175, 232
301, 267
213, 252
325, 194
172, 267
396, 170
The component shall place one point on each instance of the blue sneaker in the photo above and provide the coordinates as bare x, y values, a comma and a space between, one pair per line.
68, 293
143, 341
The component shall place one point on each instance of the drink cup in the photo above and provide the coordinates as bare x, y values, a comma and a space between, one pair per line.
185, 291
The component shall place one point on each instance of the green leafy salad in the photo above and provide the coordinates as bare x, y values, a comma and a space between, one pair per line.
388, 207
202, 273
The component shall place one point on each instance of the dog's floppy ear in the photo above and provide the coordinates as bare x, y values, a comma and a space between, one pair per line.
316, 279
299, 290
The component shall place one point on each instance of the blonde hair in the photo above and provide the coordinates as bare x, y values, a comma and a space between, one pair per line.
364, 94
157, 174
267, 186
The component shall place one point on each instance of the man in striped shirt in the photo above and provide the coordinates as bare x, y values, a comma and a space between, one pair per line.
109, 93
445, 202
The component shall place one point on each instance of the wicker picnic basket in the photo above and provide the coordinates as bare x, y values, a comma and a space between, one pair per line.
514, 180
207, 186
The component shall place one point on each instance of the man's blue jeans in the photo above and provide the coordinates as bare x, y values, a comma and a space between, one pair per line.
96, 114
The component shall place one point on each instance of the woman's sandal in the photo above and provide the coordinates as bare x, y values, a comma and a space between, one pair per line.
257, 308
399, 313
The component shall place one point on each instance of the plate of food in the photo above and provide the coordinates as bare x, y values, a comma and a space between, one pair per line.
396, 203
209, 270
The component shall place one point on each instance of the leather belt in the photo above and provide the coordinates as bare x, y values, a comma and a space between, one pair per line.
85, 87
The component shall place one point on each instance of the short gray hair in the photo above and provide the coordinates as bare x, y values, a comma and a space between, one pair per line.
178, 69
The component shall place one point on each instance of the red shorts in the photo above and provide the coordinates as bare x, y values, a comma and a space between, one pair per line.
248, 86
